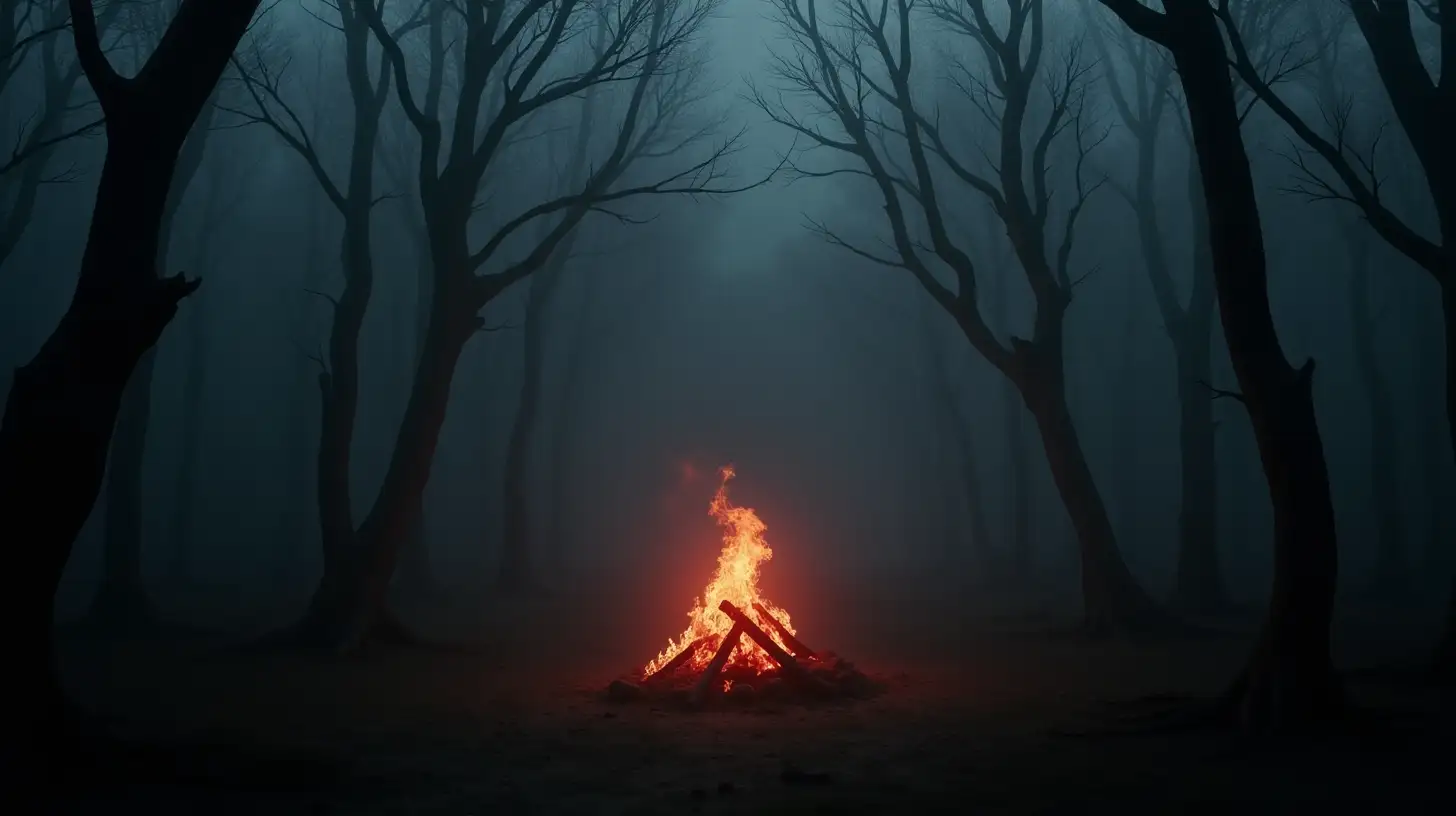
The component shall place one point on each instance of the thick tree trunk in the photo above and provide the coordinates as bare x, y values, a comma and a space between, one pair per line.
1289, 681
63, 405
1391, 578
61, 411
121, 603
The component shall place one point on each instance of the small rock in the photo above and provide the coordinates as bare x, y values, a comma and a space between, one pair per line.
623, 691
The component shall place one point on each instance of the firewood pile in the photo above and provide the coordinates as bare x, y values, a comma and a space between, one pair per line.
799, 673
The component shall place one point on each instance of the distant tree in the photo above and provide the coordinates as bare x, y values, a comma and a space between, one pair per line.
355, 199
601, 320
517, 61
1288, 682
858, 68
36, 27
954, 483
224, 187
668, 129
63, 404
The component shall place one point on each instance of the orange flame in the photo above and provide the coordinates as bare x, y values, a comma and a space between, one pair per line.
735, 580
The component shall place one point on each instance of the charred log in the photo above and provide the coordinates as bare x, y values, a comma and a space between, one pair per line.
677, 661
795, 645
708, 682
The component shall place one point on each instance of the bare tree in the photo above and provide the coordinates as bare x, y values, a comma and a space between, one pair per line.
1325, 25
225, 187
668, 129
1424, 102
1289, 681
368, 78
63, 404
861, 64
30, 27
1141, 93
121, 602
516, 60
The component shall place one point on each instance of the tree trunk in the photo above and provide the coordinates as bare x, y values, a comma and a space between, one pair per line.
1199, 586
1391, 578
328, 614
517, 573
1013, 415
1288, 681
382, 533
63, 406
981, 542
1112, 600
121, 603
565, 445
1127, 424
417, 579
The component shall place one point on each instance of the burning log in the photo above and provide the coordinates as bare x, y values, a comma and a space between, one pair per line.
673, 664
710, 674
792, 668
795, 645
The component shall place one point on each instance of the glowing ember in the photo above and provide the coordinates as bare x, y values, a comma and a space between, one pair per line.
735, 580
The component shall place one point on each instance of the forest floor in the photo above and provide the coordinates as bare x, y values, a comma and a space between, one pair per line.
978, 719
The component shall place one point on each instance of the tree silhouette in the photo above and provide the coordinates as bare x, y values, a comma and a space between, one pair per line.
858, 70
1288, 681
63, 403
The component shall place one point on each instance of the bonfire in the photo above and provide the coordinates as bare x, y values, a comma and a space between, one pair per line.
739, 645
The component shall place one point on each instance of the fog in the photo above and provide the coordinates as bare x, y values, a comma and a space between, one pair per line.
730, 287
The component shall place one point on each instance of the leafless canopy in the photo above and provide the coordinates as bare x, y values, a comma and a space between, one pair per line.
848, 83
512, 62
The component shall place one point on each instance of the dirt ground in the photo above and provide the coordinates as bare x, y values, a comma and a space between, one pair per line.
977, 720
